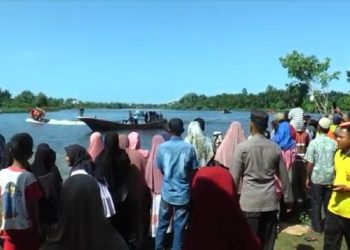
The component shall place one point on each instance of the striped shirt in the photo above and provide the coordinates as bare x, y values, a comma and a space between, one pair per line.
296, 117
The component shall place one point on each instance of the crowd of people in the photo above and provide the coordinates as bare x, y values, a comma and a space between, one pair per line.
195, 193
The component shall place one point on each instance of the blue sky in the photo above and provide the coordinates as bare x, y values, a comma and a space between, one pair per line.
157, 51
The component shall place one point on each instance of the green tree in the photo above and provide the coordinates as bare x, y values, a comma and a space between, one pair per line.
189, 101
244, 92
25, 99
310, 71
41, 100
5, 96
348, 75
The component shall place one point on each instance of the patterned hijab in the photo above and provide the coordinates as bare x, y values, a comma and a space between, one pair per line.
195, 136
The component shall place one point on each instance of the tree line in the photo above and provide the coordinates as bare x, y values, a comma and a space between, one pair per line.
310, 83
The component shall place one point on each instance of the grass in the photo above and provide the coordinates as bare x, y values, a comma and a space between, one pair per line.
288, 242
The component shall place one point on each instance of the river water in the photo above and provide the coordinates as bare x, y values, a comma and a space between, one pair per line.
64, 129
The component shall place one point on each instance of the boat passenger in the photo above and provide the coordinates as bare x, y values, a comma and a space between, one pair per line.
81, 111
37, 113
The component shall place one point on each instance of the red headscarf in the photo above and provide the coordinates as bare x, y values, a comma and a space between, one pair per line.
154, 177
233, 136
217, 221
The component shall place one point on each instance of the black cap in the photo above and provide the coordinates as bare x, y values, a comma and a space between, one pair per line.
201, 123
260, 118
176, 126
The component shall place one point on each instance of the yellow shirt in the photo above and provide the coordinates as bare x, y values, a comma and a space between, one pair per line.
340, 202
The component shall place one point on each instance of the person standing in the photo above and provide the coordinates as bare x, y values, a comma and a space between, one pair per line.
203, 147
337, 222
233, 136
296, 116
256, 161
217, 221
20, 193
320, 171
177, 161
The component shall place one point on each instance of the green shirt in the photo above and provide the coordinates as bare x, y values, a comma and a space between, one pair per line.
321, 153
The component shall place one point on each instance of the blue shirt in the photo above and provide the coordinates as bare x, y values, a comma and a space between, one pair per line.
176, 159
283, 136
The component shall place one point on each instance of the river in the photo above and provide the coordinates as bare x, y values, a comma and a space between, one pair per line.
66, 131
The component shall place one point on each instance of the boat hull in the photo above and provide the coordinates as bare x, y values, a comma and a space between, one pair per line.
104, 125
43, 121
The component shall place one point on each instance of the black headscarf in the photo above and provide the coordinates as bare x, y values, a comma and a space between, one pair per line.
79, 158
50, 181
113, 164
44, 160
82, 224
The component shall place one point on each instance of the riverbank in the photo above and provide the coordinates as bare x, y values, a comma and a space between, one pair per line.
9, 110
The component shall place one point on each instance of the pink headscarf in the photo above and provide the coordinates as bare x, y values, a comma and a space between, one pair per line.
96, 145
233, 136
135, 143
123, 141
153, 176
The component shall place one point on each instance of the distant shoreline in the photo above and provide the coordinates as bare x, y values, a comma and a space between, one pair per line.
51, 109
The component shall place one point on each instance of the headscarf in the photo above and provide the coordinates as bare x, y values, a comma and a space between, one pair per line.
79, 159
50, 181
44, 160
135, 143
154, 177
113, 165
137, 170
204, 148
82, 224
233, 136
96, 145
123, 141
217, 221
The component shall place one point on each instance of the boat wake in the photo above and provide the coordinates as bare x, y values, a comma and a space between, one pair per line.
57, 122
